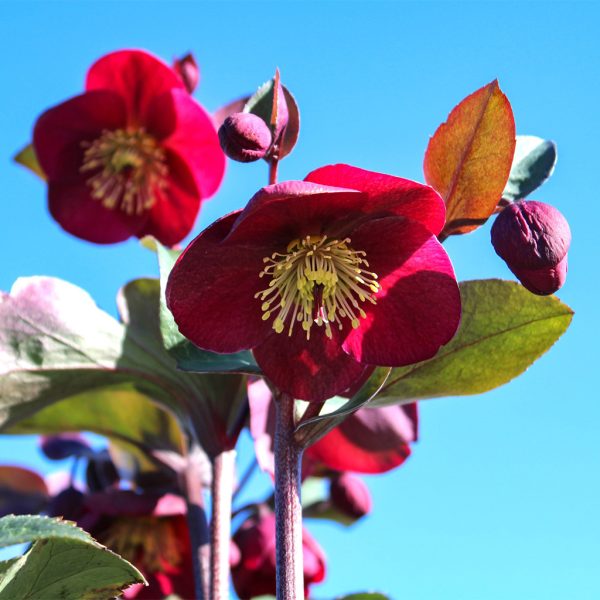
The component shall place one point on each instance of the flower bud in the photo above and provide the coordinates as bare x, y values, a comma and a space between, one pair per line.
64, 445
533, 239
350, 495
244, 137
254, 573
187, 69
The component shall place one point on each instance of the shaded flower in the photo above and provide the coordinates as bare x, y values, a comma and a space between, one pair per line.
533, 238
149, 530
254, 573
322, 278
371, 440
134, 155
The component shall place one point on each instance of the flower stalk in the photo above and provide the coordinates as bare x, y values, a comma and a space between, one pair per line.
198, 529
222, 491
288, 510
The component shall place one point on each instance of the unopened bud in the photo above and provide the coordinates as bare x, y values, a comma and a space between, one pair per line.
64, 445
350, 495
533, 239
187, 69
244, 137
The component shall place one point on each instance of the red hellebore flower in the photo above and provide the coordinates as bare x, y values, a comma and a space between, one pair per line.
134, 155
148, 530
322, 278
372, 440
253, 573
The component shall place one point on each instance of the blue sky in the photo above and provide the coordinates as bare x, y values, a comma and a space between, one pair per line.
500, 498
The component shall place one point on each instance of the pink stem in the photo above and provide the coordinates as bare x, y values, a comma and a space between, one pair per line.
222, 492
288, 510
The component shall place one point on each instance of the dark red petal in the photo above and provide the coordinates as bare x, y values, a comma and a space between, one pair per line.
59, 132
211, 291
418, 307
373, 440
174, 213
387, 193
72, 206
293, 209
136, 76
312, 370
188, 130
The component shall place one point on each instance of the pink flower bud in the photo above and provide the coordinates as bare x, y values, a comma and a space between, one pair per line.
350, 495
187, 69
533, 239
244, 137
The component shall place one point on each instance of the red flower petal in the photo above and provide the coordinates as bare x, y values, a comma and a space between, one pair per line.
184, 127
60, 131
211, 291
72, 206
293, 209
372, 440
418, 307
312, 370
136, 76
388, 193
174, 213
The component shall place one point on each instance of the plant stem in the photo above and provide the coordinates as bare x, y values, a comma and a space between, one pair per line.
288, 510
273, 165
198, 529
222, 491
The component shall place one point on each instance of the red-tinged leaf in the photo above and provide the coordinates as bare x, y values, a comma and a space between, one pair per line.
292, 130
469, 157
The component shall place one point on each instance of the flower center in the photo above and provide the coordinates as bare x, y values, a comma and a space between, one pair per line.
128, 169
152, 543
317, 281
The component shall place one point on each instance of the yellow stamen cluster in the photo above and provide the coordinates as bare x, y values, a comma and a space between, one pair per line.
152, 543
129, 169
316, 281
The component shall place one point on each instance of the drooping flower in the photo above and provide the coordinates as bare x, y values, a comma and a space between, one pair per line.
134, 155
149, 530
533, 238
322, 278
372, 440
253, 573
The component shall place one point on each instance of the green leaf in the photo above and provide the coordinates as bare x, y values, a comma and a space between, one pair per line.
28, 159
63, 562
533, 164
336, 409
56, 344
188, 356
504, 329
